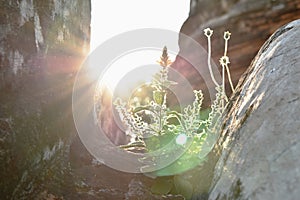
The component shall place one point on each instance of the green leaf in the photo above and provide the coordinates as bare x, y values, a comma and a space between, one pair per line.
158, 97
141, 108
162, 186
183, 187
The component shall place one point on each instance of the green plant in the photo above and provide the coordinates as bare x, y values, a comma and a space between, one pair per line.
163, 123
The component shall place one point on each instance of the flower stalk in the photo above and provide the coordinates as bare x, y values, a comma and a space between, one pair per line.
208, 33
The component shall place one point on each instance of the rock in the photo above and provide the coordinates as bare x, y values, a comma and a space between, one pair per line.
137, 190
260, 144
8, 162
251, 22
42, 44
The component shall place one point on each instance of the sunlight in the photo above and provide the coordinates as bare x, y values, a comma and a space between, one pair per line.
131, 70
110, 18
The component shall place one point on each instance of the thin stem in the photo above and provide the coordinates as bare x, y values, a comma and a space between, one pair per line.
178, 117
226, 38
209, 64
226, 44
223, 78
229, 78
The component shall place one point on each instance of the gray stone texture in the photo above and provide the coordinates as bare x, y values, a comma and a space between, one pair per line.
260, 144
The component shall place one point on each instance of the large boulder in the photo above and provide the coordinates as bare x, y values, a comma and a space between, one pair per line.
260, 144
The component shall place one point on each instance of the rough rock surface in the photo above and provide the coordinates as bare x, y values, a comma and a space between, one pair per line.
251, 22
260, 145
42, 44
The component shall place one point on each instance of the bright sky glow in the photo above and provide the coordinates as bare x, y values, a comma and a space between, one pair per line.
110, 18
129, 63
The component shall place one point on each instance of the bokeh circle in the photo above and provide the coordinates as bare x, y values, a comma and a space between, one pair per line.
92, 72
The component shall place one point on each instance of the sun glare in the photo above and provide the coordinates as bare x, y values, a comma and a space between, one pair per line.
110, 18
132, 69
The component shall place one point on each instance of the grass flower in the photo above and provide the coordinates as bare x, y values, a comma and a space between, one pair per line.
208, 32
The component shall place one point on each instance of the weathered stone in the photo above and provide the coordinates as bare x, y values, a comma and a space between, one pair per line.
42, 44
260, 145
251, 22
